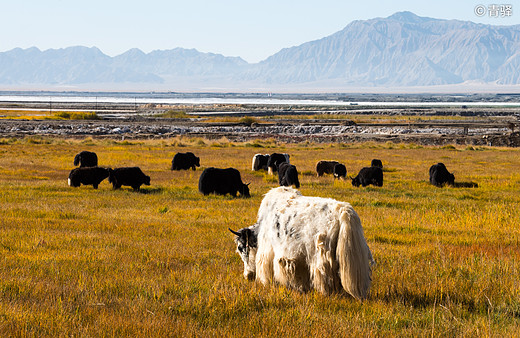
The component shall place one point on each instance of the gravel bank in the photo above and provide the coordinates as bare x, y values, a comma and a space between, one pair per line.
293, 132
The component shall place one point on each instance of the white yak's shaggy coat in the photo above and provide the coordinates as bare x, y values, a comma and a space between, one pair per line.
310, 243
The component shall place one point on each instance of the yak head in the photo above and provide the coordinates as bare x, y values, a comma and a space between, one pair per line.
246, 240
355, 181
245, 190
74, 180
147, 180
451, 179
111, 176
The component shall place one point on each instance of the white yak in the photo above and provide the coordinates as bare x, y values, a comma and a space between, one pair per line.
306, 243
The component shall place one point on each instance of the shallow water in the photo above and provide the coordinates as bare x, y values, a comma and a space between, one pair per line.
144, 98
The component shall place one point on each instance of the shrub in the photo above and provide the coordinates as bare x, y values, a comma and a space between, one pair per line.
449, 147
175, 114
77, 115
248, 120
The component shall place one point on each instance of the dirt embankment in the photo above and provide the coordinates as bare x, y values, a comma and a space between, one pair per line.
286, 132
498, 127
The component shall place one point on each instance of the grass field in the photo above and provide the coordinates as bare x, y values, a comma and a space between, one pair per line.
46, 115
161, 262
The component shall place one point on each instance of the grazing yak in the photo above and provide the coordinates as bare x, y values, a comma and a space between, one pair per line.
86, 159
306, 243
129, 176
376, 163
440, 176
185, 161
369, 175
274, 161
288, 175
325, 167
259, 162
340, 171
222, 182
88, 176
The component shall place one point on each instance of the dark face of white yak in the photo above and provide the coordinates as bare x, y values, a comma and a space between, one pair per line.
246, 241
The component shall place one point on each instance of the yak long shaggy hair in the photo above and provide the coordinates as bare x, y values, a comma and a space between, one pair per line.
307, 243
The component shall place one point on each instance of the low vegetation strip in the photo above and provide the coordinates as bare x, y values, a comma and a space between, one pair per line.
161, 261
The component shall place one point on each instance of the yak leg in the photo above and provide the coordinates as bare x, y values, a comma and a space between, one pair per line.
264, 264
293, 273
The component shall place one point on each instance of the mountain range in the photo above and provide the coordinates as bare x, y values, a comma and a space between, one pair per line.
402, 50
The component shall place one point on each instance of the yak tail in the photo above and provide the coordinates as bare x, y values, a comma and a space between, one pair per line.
77, 158
353, 255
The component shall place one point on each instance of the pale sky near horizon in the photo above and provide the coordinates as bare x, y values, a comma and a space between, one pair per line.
252, 30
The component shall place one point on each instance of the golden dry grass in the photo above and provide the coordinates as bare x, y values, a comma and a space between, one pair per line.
13, 114
160, 262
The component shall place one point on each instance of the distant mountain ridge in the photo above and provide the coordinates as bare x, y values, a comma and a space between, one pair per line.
77, 65
401, 50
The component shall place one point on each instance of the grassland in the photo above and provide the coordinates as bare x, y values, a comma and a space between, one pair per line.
160, 262
13, 114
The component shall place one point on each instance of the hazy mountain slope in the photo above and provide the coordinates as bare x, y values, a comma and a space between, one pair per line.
401, 50
77, 65
73, 65
180, 62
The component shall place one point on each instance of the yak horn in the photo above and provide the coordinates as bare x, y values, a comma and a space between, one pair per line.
234, 232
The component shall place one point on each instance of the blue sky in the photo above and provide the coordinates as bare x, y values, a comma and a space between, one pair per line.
252, 30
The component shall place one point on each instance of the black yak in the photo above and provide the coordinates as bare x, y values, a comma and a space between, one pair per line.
86, 159
288, 175
325, 167
376, 163
340, 171
88, 176
274, 161
185, 161
222, 182
259, 162
439, 175
129, 176
369, 175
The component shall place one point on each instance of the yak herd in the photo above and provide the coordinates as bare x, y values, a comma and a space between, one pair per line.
335, 254
89, 173
228, 181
